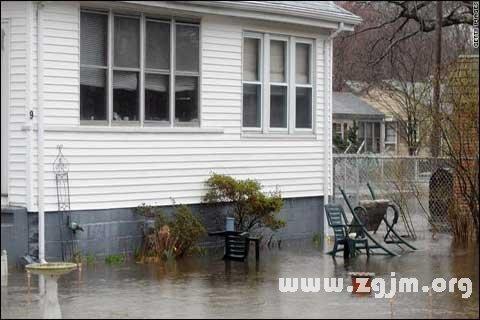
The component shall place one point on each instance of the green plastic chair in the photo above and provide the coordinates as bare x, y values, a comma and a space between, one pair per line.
337, 220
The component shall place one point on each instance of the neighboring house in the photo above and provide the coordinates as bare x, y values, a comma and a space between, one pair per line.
149, 98
350, 111
400, 101
396, 123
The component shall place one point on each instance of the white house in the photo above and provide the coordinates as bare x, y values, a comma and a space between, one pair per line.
149, 97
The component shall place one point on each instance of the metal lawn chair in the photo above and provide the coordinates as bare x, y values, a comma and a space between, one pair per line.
366, 224
344, 236
391, 236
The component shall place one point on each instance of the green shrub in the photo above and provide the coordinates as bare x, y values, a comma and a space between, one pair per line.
251, 207
90, 259
114, 259
317, 239
171, 237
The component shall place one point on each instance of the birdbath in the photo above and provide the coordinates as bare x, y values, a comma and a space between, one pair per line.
51, 272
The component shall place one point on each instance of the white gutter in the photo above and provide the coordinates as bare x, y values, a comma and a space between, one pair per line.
341, 28
40, 137
328, 89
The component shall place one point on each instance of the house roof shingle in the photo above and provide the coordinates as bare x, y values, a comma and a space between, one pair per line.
348, 105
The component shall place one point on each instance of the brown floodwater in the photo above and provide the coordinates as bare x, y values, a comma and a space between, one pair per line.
207, 287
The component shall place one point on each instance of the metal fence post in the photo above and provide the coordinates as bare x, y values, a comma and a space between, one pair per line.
357, 182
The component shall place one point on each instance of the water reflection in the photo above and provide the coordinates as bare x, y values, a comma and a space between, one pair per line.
49, 305
209, 287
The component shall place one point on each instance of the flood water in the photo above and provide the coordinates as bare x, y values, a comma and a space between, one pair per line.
207, 287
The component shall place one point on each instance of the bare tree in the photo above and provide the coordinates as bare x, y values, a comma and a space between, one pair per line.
365, 54
460, 131
409, 18
407, 96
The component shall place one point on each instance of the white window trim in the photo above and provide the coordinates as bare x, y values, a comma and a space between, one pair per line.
165, 72
310, 85
142, 70
393, 125
264, 82
260, 37
287, 83
128, 69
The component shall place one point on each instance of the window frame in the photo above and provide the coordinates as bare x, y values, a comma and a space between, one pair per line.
260, 81
290, 81
286, 84
138, 70
105, 68
311, 85
175, 73
142, 70
155, 71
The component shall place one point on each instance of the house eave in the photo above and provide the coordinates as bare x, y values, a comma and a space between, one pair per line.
328, 20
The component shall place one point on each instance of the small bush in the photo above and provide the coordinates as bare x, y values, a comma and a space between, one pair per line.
114, 259
170, 237
251, 207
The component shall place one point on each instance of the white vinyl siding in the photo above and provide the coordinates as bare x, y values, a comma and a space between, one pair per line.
15, 12
124, 167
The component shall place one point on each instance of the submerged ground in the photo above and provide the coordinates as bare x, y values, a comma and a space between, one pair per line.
207, 287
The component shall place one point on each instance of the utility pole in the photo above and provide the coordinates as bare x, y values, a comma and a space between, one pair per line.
435, 138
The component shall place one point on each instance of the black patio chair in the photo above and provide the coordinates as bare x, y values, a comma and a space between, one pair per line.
349, 236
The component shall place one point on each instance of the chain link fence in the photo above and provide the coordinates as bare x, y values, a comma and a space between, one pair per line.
421, 187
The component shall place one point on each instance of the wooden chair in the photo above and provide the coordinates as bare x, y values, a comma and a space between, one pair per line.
337, 220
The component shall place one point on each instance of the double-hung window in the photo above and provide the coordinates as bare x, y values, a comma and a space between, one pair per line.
303, 85
126, 69
138, 70
252, 81
186, 74
93, 67
277, 83
157, 72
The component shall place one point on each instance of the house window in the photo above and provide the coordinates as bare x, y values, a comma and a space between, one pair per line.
157, 71
277, 83
303, 86
186, 74
126, 69
252, 84
337, 130
390, 133
93, 67
129, 65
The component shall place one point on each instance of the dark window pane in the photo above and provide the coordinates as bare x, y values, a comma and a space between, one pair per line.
125, 96
127, 42
187, 48
93, 39
156, 97
158, 45
278, 107
251, 105
251, 55
186, 99
303, 109
93, 105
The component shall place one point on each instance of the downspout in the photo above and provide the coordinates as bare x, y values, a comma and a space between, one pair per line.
29, 109
328, 91
40, 138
